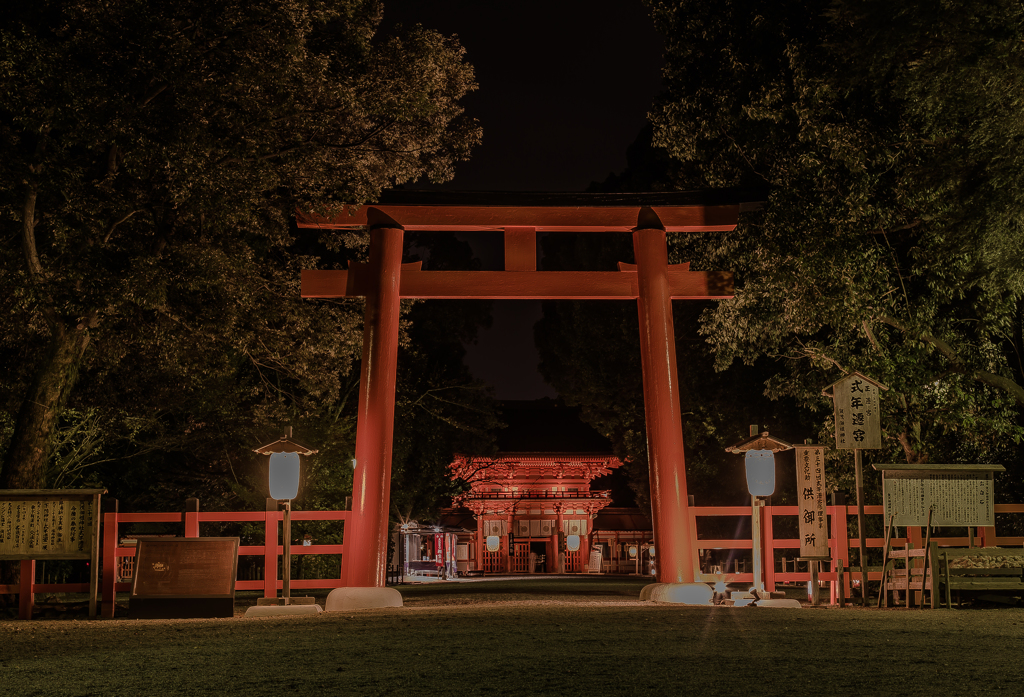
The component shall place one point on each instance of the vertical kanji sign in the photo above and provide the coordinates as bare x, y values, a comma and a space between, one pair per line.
810, 487
858, 425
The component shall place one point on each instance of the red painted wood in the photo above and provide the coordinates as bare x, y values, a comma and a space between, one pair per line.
673, 536
555, 285
26, 598
366, 540
110, 521
462, 218
520, 249
271, 550
768, 545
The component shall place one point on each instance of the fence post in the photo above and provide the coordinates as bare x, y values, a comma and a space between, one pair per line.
110, 560
191, 517
26, 597
270, 551
844, 543
769, 549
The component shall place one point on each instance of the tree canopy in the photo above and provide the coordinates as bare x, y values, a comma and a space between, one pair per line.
151, 157
890, 134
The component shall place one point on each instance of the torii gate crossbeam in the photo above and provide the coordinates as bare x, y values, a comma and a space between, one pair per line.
652, 281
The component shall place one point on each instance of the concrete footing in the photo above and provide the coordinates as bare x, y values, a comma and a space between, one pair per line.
277, 610
779, 602
680, 593
341, 599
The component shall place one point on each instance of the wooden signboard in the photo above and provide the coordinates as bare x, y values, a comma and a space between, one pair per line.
184, 577
958, 495
41, 524
810, 488
858, 423
48, 523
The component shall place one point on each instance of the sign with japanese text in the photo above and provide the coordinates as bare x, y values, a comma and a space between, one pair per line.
955, 497
810, 493
858, 425
46, 526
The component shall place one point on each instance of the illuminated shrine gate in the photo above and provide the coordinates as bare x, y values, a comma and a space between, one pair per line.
383, 280
533, 498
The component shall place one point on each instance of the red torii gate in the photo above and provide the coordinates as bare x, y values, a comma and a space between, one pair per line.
384, 281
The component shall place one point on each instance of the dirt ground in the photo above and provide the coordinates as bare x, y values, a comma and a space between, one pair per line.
524, 637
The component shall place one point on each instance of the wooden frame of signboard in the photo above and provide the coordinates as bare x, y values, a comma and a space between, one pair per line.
931, 495
42, 524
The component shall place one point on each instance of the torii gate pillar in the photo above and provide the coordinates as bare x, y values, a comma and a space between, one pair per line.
366, 534
675, 559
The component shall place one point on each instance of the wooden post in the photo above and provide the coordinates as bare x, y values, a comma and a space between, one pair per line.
366, 541
755, 538
672, 532
286, 569
26, 598
94, 563
769, 549
270, 551
839, 576
914, 541
861, 532
815, 587
191, 517
110, 559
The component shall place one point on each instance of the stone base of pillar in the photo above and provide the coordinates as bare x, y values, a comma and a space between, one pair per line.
679, 593
344, 599
279, 610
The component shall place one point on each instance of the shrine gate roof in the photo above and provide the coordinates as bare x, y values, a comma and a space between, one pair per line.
514, 465
676, 211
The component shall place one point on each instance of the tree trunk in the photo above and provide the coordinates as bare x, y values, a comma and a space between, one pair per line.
25, 463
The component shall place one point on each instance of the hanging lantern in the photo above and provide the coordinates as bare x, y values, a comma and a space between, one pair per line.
760, 472
572, 542
284, 475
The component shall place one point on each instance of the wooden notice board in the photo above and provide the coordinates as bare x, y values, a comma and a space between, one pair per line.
184, 577
957, 495
41, 524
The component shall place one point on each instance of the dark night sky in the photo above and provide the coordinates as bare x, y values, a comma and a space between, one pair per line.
565, 86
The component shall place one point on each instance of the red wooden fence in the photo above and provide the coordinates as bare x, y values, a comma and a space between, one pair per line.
775, 548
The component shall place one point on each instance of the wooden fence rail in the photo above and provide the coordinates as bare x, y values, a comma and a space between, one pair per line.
775, 549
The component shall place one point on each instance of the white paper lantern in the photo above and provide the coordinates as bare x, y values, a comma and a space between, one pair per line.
284, 475
760, 472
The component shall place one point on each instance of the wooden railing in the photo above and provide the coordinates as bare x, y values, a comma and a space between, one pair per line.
776, 549
270, 550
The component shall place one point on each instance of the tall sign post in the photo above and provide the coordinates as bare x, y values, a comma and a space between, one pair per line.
858, 426
810, 494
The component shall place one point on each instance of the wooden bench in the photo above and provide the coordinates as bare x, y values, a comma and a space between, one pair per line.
978, 569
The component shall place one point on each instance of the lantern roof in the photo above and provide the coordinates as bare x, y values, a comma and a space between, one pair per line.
760, 442
285, 444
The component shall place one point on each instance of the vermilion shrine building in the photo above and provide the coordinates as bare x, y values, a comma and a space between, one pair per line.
534, 500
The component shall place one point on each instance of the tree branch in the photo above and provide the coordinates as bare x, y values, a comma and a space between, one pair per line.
983, 376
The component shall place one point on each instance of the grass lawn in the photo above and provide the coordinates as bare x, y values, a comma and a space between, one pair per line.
544, 636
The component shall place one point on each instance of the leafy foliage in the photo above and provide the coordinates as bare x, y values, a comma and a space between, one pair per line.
891, 240
151, 155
